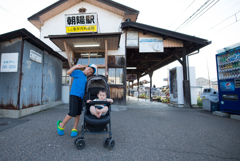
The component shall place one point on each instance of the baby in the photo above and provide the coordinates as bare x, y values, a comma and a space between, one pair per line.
100, 109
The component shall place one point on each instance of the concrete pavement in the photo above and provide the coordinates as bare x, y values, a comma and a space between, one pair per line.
142, 130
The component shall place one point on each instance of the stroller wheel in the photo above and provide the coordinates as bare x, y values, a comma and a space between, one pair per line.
111, 144
105, 142
78, 138
80, 144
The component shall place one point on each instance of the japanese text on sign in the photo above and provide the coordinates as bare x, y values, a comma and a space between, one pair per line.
81, 23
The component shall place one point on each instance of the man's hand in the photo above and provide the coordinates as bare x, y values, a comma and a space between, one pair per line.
79, 66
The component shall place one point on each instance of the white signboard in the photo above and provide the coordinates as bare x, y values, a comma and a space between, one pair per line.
9, 62
35, 56
150, 44
82, 22
132, 38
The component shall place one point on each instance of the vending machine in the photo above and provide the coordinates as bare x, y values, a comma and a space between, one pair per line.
228, 72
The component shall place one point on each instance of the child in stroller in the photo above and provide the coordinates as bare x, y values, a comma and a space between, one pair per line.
100, 109
91, 123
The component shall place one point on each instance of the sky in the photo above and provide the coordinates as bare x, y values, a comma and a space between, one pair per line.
215, 20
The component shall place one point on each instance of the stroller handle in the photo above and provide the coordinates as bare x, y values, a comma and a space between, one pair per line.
98, 102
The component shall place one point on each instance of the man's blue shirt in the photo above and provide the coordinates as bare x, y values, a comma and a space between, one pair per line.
79, 83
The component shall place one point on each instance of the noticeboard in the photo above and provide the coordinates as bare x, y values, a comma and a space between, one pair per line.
9, 62
150, 44
131, 77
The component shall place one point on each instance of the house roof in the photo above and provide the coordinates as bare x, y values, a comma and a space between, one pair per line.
32, 39
146, 62
40, 17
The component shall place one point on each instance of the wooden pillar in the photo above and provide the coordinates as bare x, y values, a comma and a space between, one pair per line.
150, 75
106, 59
186, 83
68, 54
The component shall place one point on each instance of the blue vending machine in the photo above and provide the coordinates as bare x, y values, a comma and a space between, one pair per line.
228, 72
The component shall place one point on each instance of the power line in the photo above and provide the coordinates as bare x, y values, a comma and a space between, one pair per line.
206, 31
181, 14
224, 20
203, 12
10, 12
237, 20
193, 14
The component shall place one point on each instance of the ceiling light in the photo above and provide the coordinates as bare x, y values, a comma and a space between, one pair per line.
94, 54
86, 45
131, 67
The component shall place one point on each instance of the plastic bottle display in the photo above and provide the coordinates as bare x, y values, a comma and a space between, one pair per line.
229, 65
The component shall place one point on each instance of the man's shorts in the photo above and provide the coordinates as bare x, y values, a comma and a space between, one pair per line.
75, 106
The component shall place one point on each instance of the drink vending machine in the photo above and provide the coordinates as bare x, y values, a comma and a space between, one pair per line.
228, 72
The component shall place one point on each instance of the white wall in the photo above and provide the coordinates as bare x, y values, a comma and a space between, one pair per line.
107, 22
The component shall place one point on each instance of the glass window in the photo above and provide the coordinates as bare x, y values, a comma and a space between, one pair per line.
115, 76
65, 77
85, 56
101, 72
101, 58
93, 58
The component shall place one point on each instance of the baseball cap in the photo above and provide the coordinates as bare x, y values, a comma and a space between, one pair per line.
94, 68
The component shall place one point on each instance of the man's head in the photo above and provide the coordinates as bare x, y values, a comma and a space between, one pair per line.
102, 95
90, 69
94, 67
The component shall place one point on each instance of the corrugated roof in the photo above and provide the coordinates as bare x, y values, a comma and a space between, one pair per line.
26, 35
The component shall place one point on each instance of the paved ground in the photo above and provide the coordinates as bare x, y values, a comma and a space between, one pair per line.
142, 130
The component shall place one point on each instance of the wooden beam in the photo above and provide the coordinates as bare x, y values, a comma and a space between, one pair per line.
143, 59
106, 59
68, 54
180, 61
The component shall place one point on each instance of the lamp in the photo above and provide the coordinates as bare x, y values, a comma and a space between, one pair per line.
131, 67
86, 45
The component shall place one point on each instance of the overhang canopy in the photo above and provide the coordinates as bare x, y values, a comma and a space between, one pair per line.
71, 40
149, 62
25, 35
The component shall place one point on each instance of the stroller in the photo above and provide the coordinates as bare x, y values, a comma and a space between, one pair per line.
92, 124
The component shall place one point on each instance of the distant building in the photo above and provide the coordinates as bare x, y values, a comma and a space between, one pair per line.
204, 83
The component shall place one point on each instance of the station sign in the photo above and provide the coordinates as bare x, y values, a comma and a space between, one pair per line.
81, 23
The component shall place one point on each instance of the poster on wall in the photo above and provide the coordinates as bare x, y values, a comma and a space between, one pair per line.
9, 62
150, 44
132, 38
131, 77
81, 23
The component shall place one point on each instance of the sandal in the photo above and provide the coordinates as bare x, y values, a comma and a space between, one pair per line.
74, 133
60, 129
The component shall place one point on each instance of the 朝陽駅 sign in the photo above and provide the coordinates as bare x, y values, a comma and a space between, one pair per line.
79, 23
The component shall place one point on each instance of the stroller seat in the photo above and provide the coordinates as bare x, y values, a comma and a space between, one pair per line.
90, 119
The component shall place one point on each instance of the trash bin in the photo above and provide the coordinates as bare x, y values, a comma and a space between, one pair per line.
210, 99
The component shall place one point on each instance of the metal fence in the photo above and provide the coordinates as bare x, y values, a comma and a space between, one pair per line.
146, 94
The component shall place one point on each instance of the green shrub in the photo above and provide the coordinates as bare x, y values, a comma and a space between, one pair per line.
199, 101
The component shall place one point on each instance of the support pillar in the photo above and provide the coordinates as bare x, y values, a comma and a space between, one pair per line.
138, 84
186, 83
150, 75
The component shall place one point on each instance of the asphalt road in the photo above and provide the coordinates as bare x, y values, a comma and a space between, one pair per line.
142, 130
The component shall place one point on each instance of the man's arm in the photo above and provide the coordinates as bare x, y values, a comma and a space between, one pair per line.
69, 72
